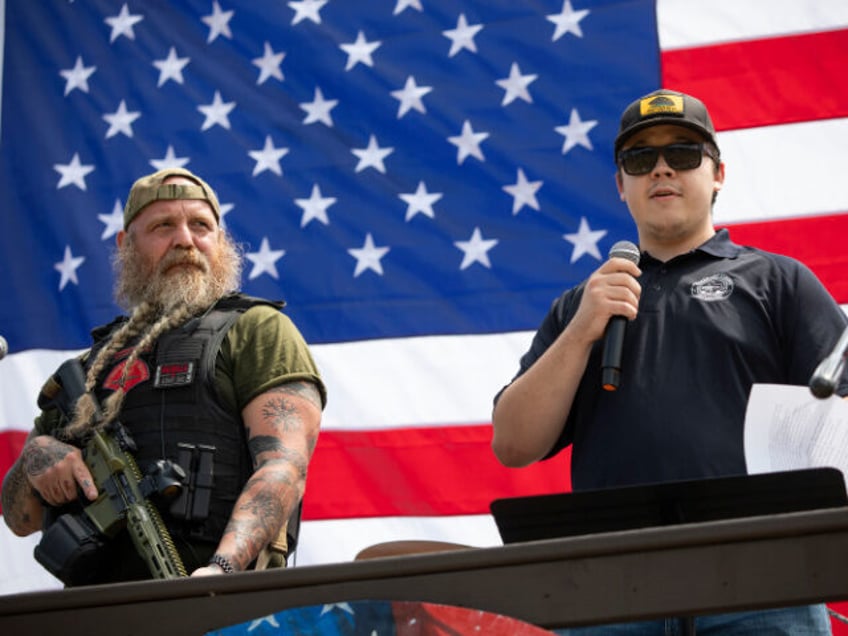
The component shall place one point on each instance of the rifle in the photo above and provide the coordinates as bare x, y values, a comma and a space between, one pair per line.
73, 547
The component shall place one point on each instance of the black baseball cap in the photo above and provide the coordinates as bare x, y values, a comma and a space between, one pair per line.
665, 106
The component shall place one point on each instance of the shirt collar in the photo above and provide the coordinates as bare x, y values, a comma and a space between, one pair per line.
718, 245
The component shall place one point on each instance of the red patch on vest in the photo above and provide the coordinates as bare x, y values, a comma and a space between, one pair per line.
138, 373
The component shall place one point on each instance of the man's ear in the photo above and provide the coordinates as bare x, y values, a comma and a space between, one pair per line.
619, 185
719, 177
119, 237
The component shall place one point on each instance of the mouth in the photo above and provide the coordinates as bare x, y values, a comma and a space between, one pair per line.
182, 265
663, 193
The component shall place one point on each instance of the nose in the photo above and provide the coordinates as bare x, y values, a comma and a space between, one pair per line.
661, 168
182, 235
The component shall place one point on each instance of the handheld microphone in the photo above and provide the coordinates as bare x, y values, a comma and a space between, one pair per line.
4, 347
614, 334
824, 379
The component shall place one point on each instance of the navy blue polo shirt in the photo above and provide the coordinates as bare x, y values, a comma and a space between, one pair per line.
711, 323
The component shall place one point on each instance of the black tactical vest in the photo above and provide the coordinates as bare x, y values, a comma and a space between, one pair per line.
173, 411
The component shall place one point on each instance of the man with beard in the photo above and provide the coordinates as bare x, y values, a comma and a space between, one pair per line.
199, 375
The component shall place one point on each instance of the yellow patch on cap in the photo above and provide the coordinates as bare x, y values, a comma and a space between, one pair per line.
656, 104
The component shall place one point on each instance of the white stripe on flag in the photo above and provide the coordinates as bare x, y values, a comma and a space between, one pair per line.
691, 23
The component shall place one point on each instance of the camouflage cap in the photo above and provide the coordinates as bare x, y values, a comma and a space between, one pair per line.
665, 107
151, 188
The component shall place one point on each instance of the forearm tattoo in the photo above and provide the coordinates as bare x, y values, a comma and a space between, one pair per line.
15, 488
281, 447
259, 516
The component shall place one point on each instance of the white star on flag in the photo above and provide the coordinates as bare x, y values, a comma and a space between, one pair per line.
462, 37
468, 143
368, 256
170, 160
576, 132
268, 158
315, 207
72, 173
523, 192
420, 201
359, 51
122, 24
226, 208
121, 121
307, 9
68, 268
515, 85
171, 68
113, 222
410, 97
269, 64
585, 240
217, 112
567, 21
476, 249
372, 156
218, 23
264, 261
319, 109
77, 77
401, 5
345, 607
256, 623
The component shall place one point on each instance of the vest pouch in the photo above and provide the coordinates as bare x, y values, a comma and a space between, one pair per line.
197, 462
72, 550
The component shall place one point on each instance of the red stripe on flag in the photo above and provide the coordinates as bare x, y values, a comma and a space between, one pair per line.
818, 242
764, 82
418, 472
11, 443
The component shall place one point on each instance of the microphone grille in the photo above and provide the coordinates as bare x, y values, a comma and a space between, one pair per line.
625, 249
4, 347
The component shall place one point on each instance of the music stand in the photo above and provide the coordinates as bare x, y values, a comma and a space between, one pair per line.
537, 517
551, 516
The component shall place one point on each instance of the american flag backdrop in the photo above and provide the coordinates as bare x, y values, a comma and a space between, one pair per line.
418, 179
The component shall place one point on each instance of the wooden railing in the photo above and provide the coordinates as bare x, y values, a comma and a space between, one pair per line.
702, 568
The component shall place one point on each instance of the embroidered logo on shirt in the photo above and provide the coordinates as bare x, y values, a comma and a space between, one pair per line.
711, 288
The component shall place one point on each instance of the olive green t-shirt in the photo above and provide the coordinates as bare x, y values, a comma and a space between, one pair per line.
263, 349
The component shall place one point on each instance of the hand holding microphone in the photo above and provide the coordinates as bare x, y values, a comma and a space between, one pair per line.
614, 334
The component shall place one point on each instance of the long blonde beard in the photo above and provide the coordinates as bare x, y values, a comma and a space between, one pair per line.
184, 277
161, 297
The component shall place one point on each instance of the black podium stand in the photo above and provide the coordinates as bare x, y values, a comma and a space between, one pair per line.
538, 517
669, 503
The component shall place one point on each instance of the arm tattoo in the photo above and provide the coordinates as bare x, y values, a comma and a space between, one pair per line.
36, 460
281, 412
281, 454
256, 520
15, 489
305, 390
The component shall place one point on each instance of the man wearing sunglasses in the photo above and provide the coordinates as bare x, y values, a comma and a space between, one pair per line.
706, 319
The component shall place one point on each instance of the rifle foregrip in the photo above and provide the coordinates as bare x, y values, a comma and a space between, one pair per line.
151, 538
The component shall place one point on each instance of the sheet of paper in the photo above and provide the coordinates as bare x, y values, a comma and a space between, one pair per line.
787, 428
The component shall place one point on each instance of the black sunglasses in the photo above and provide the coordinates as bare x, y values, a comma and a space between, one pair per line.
681, 156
